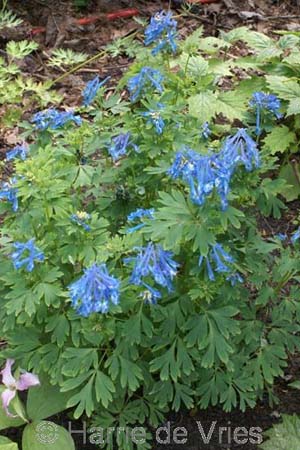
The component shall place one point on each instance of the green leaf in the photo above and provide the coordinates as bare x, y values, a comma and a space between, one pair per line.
21, 49
293, 107
130, 374
104, 389
212, 44
284, 87
204, 106
60, 327
166, 364
45, 400
279, 139
291, 174
265, 47
46, 436
285, 435
231, 104
295, 384
7, 444
183, 397
84, 400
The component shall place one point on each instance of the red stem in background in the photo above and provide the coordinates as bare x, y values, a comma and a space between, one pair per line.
123, 13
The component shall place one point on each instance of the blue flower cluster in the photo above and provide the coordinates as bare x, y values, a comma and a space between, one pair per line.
147, 77
154, 118
156, 262
163, 31
139, 214
95, 291
220, 259
18, 151
264, 102
119, 145
9, 193
91, 89
80, 219
51, 118
204, 173
26, 254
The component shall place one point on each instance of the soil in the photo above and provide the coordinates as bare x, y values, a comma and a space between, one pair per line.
57, 17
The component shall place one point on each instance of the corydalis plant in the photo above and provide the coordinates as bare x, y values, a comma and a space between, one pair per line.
95, 291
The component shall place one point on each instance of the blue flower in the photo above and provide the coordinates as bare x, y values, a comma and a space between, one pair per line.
26, 254
80, 219
150, 295
91, 89
235, 278
154, 118
119, 145
295, 236
156, 262
139, 214
162, 30
9, 193
203, 174
147, 77
205, 132
19, 150
95, 291
51, 118
241, 148
218, 258
267, 102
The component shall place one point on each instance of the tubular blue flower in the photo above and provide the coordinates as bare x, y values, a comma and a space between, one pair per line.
95, 291
241, 148
146, 78
154, 118
91, 89
156, 262
218, 258
80, 219
203, 174
26, 254
163, 31
268, 102
205, 130
18, 151
9, 193
295, 236
235, 278
119, 145
139, 214
51, 118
